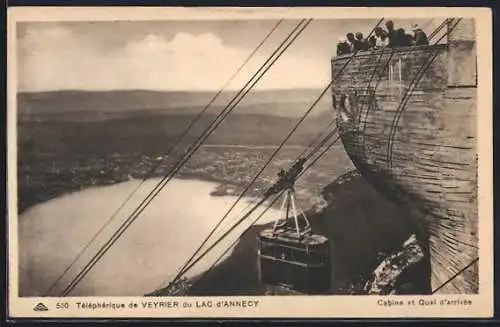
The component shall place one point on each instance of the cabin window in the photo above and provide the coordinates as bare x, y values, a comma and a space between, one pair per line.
267, 248
318, 255
286, 253
301, 256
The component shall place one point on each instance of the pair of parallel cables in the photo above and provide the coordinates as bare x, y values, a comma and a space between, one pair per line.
191, 261
285, 44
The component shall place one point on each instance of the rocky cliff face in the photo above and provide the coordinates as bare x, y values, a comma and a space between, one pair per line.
373, 250
386, 277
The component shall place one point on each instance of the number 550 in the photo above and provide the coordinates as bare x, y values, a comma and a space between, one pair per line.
62, 305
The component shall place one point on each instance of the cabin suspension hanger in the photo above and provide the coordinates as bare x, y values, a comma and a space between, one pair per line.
275, 187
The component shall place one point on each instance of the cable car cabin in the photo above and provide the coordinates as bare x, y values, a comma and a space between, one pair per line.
299, 263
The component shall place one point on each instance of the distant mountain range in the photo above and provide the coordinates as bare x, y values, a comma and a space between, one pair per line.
67, 122
90, 105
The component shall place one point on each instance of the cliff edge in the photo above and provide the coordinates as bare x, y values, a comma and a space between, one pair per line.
373, 248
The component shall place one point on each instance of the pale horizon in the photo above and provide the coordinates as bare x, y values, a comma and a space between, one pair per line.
175, 55
171, 90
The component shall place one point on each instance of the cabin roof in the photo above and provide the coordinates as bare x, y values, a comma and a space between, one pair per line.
288, 237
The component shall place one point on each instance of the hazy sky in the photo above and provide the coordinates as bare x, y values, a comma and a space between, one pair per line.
176, 55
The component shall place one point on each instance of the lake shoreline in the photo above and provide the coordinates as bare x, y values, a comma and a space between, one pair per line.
185, 212
380, 229
44, 194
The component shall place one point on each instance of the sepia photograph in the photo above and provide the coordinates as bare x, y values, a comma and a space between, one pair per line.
236, 159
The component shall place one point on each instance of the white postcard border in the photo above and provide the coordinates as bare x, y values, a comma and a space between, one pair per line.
277, 306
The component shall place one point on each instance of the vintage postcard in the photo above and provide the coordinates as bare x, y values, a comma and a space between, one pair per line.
250, 162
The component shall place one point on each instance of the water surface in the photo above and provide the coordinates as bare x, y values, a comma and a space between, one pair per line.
51, 234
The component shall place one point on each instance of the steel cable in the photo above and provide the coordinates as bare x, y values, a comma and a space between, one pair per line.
187, 267
169, 151
162, 183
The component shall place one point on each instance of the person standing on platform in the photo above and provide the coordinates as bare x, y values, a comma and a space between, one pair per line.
352, 42
403, 39
372, 42
419, 36
381, 39
391, 33
361, 44
342, 47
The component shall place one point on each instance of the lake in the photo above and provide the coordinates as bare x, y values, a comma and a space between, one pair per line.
148, 254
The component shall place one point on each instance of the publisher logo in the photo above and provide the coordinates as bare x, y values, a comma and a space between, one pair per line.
40, 307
